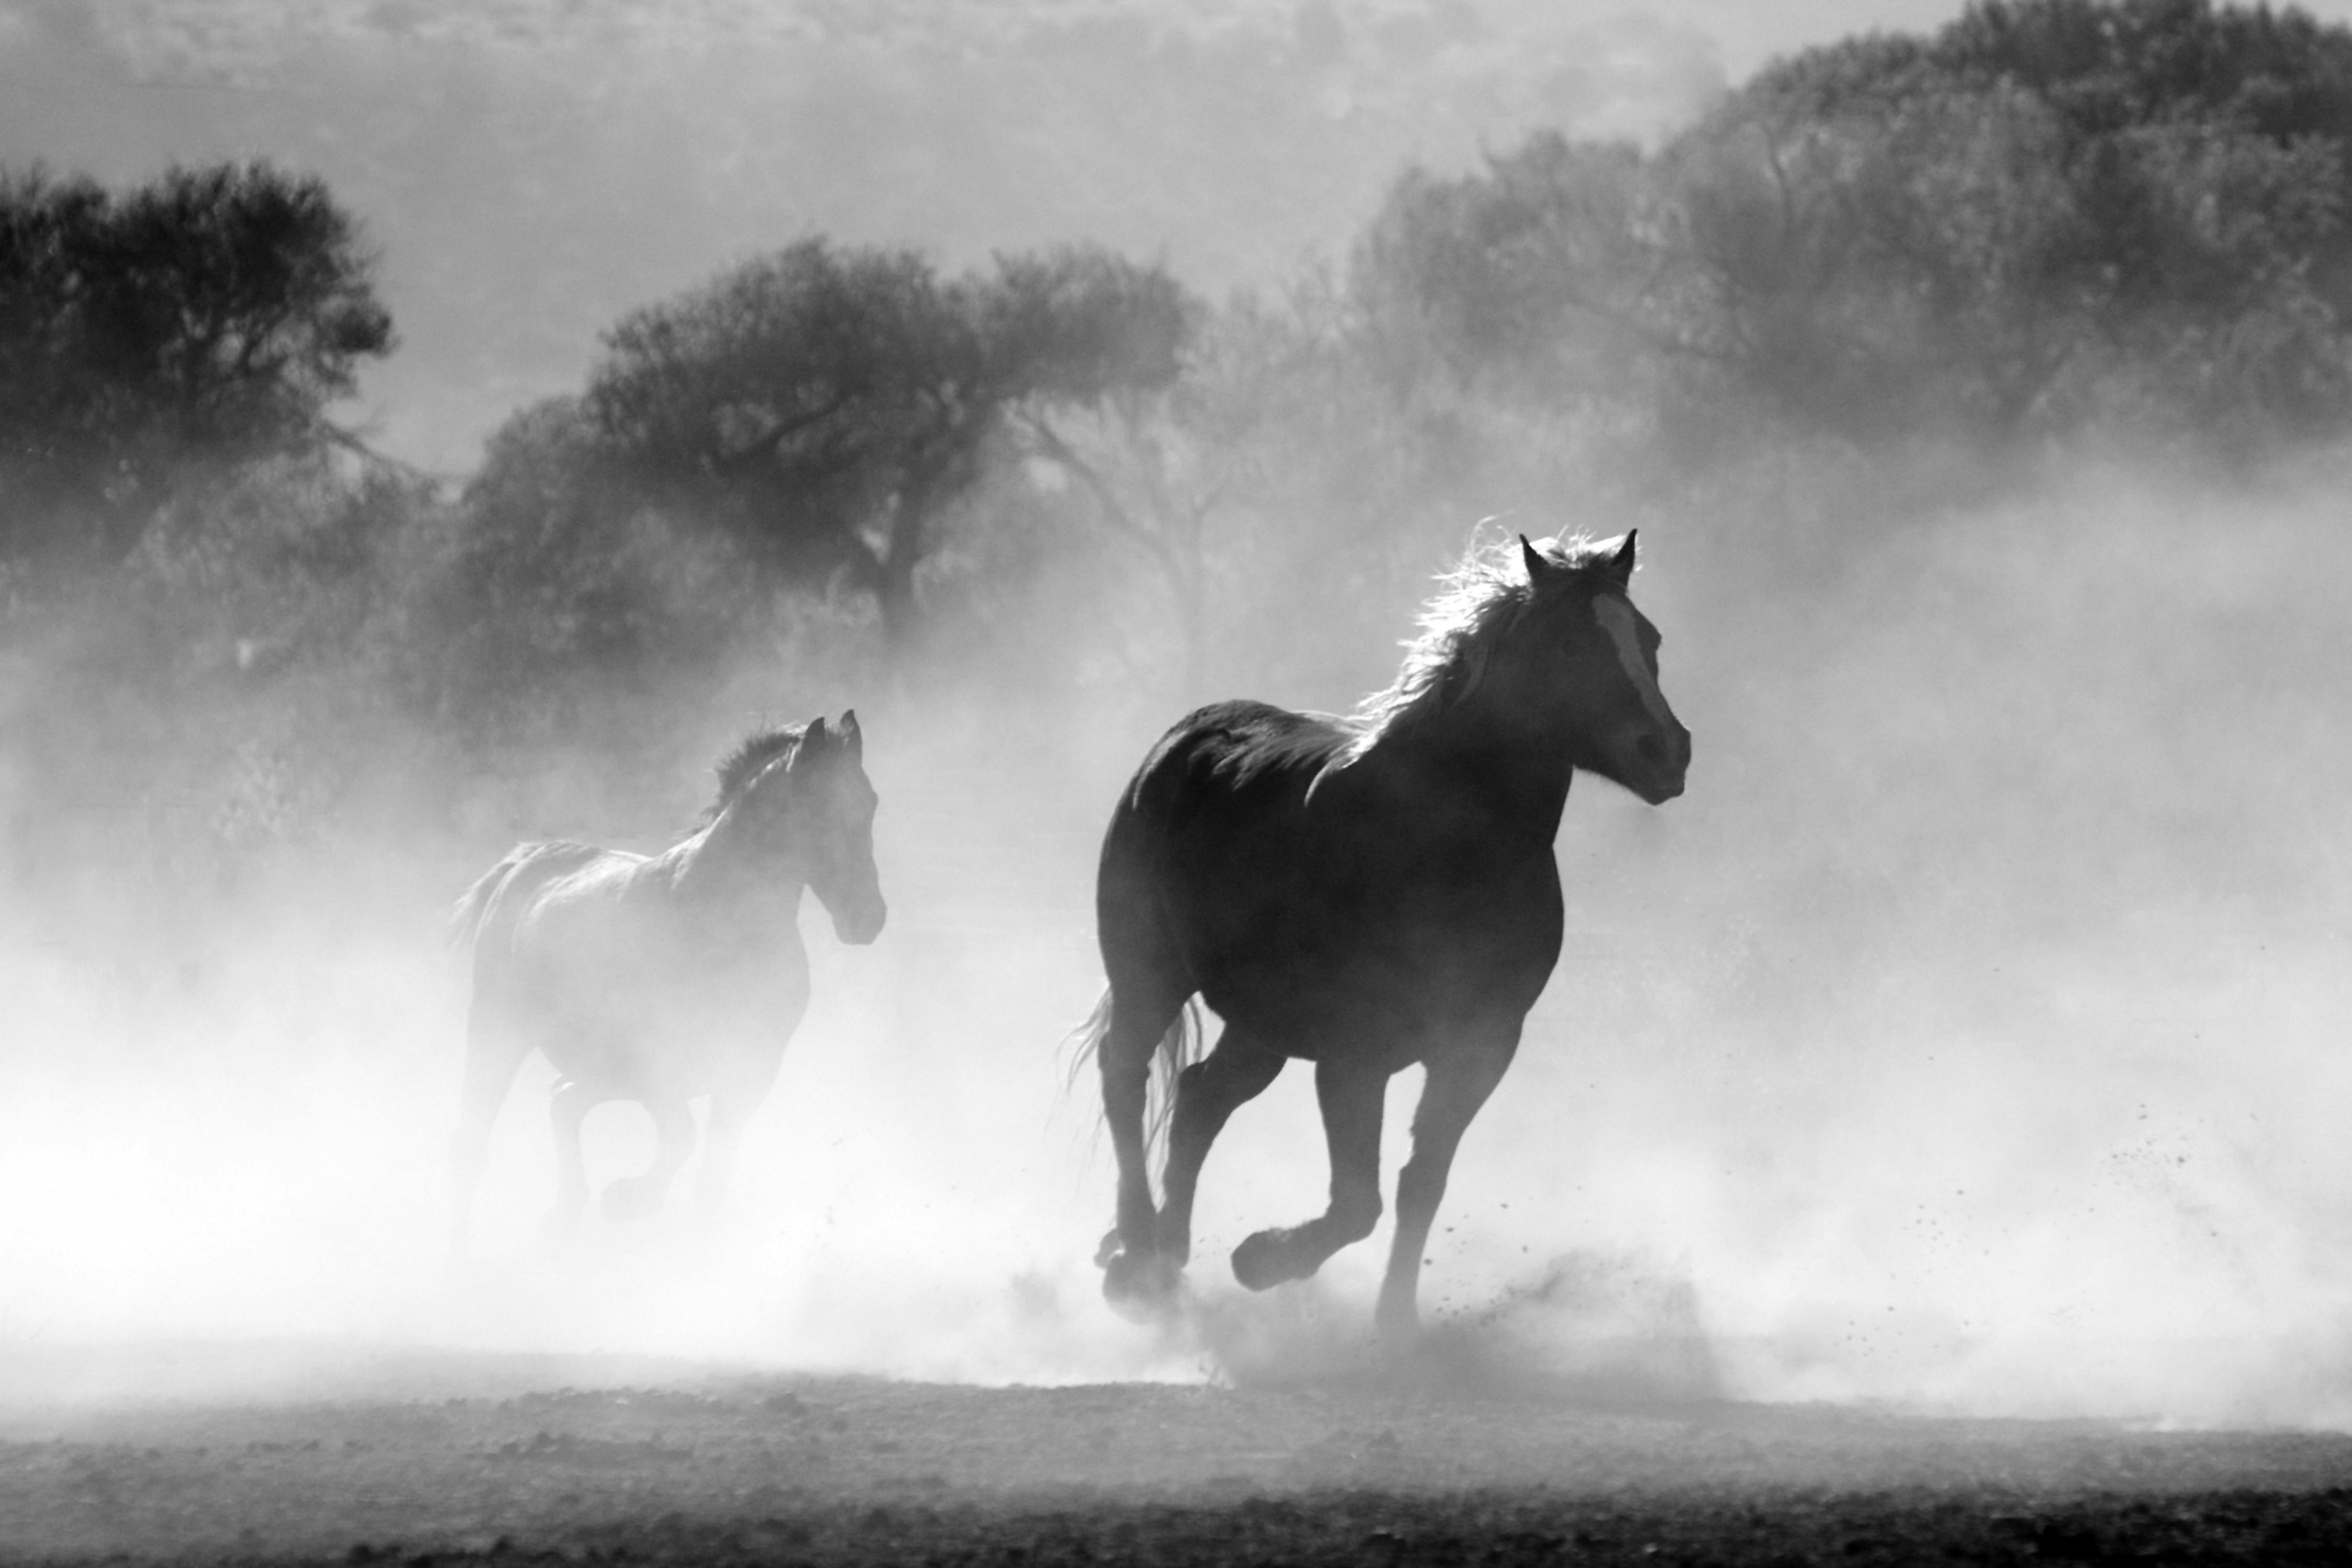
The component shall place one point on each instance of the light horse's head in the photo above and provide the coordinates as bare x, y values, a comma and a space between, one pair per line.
811, 804
1594, 658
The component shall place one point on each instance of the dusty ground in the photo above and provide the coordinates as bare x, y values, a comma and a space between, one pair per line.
134, 1457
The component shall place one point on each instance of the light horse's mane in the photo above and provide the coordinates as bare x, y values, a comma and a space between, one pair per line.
1477, 608
749, 759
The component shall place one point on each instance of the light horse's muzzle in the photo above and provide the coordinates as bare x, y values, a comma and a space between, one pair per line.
858, 920
852, 894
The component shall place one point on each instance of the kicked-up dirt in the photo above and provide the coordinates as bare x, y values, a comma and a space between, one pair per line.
419, 1456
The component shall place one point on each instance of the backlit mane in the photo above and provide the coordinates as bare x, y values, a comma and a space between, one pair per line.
1476, 607
749, 759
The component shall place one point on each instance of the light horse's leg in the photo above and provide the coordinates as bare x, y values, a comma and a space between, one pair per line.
634, 1198
567, 1107
745, 1077
732, 1105
494, 1051
1351, 1092
722, 1130
1208, 1092
1458, 1084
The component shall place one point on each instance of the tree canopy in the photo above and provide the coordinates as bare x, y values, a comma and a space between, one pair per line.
2052, 213
204, 319
824, 404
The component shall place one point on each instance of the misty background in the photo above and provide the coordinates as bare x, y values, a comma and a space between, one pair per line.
422, 431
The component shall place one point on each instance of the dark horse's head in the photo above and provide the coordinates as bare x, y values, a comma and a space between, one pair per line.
1596, 656
1544, 642
805, 792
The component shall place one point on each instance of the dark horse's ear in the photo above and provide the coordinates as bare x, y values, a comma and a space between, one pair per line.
847, 730
1620, 565
815, 734
1537, 564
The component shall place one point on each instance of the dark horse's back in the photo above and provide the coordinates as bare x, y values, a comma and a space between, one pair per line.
1311, 900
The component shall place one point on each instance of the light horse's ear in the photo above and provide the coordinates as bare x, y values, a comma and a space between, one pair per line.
851, 736
1620, 566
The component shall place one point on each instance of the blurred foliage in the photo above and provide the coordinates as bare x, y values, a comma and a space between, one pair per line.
549, 579
2053, 217
202, 320
824, 405
1879, 274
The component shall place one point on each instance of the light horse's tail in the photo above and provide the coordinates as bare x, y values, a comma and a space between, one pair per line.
1179, 1049
473, 905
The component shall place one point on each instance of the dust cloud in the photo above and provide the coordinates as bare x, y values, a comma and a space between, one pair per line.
1968, 1040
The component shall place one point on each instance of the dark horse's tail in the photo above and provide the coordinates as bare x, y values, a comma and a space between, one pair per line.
1180, 1048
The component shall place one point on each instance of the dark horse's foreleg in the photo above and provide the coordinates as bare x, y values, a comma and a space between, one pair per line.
1207, 1093
1351, 1094
1458, 1084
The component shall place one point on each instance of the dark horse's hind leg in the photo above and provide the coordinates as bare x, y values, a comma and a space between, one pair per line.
1133, 1271
1351, 1094
1458, 1084
1208, 1093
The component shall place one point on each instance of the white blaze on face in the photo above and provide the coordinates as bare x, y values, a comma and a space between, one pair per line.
1616, 618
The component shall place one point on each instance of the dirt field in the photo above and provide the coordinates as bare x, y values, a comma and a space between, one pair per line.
147, 1458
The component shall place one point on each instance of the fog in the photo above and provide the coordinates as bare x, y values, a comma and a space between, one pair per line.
1968, 1040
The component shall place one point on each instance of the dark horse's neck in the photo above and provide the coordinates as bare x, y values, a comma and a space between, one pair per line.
1507, 759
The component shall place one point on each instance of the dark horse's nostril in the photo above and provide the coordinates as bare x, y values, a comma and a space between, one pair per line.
1652, 749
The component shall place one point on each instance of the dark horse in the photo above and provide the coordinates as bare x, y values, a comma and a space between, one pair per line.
664, 978
1365, 893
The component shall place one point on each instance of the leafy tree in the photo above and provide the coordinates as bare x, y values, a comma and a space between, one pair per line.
2051, 214
826, 405
205, 319
555, 578
1541, 270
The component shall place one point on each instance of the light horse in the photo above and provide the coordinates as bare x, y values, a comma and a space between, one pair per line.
1364, 893
664, 978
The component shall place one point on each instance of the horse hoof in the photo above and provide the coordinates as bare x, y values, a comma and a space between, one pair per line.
1140, 1286
1259, 1263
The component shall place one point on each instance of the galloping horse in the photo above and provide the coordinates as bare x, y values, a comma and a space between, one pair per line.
663, 978
1364, 893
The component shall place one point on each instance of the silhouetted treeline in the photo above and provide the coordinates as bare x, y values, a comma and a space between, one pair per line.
164, 333
2050, 223
2049, 218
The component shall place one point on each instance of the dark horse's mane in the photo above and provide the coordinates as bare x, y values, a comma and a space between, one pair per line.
1476, 607
749, 759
